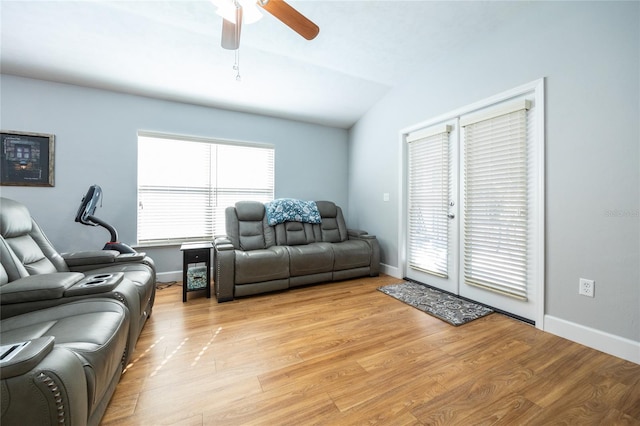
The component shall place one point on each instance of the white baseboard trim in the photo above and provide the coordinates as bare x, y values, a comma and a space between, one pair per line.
605, 342
165, 277
390, 270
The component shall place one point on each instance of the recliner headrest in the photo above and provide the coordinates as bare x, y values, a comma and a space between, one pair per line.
327, 208
15, 219
250, 211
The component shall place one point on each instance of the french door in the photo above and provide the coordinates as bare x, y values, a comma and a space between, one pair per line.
432, 206
474, 213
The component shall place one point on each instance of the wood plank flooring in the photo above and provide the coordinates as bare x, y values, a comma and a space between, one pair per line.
346, 354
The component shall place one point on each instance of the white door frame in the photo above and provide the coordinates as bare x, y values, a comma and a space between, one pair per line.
537, 87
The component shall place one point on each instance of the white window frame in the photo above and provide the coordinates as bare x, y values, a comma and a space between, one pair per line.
219, 198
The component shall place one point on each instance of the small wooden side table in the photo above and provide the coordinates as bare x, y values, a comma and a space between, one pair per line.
194, 253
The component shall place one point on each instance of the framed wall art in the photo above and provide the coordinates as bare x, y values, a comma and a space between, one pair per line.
26, 159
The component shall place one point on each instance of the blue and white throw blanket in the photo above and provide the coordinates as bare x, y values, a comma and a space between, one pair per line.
291, 210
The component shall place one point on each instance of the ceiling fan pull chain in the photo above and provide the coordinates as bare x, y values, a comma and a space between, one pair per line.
236, 66
238, 29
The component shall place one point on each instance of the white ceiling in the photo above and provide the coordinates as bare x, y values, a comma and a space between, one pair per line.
171, 50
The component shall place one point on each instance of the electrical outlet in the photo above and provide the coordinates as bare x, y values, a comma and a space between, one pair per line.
587, 287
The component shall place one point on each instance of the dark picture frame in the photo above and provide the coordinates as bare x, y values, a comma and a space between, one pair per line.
26, 158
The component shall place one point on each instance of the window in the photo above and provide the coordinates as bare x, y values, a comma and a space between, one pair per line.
185, 184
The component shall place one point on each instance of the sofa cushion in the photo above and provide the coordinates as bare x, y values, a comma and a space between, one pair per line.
261, 265
249, 211
310, 259
327, 208
294, 233
250, 229
30, 255
15, 219
247, 227
251, 235
351, 254
329, 231
333, 228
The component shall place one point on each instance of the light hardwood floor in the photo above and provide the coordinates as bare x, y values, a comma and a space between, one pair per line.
344, 353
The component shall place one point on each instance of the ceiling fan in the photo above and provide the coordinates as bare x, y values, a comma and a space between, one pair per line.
235, 12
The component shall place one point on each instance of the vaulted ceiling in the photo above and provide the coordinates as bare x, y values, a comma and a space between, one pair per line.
171, 50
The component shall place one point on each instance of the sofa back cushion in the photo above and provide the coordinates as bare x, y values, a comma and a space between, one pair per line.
30, 249
333, 228
294, 233
15, 219
247, 228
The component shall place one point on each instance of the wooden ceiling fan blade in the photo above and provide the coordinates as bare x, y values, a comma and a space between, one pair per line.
291, 17
231, 32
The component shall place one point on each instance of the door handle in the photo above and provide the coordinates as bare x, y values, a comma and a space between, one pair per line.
451, 216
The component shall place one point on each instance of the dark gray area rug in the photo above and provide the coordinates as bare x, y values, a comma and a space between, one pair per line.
441, 305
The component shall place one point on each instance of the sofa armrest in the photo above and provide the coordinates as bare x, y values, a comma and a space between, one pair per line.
131, 257
38, 287
83, 261
358, 233
221, 241
18, 358
89, 257
355, 234
224, 269
97, 283
56, 382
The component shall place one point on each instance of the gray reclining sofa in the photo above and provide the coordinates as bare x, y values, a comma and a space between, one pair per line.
257, 256
68, 323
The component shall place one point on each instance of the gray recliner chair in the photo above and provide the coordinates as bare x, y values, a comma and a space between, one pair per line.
40, 277
61, 365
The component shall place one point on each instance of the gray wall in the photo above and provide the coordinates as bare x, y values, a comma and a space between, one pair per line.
96, 143
589, 55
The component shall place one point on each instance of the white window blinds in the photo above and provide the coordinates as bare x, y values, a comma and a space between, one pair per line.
184, 185
428, 204
495, 202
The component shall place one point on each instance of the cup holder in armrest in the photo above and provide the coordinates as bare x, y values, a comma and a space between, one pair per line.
96, 283
101, 276
92, 283
18, 358
96, 280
